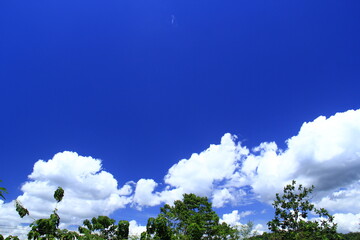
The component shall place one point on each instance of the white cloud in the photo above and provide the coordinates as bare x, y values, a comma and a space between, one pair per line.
89, 191
234, 220
144, 193
345, 200
135, 229
205, 174
320, 154
325, 153
221, 197
234, 217
199, 173
347, 222
10, 222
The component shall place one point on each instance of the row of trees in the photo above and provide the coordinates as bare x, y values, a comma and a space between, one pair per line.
193, 218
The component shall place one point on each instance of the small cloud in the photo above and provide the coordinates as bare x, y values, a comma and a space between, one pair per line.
135, 229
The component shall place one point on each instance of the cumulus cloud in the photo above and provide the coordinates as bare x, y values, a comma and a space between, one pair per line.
89, 191
229, 173
234, 220
10, 222
206, 174
144, 193
325, 153
198, 173
234, 217
322, 152
136, 229
347, 222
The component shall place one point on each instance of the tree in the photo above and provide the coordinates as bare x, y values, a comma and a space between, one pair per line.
9, 238
291, 211
247, 230
190, 218
46, 228
123, 229
100, 228
104, 227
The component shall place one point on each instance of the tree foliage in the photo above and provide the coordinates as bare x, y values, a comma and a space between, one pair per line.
59, 194
2, 192
292, 209
104, 227
44, 228
20, 209
246, 231
190, 218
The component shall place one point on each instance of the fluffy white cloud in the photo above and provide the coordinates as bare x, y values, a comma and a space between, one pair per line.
347, 222
234, 217
10, 221
199, 173
205, 174
89, 191
344, 200
221, 197
325, 153
234, 220
135, 229
144, 193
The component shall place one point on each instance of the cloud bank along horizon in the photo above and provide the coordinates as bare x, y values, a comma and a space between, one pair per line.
324, 153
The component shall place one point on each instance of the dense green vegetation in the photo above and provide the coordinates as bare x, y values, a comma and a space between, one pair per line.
193, 218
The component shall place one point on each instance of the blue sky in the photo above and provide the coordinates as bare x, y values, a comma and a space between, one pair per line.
142, 85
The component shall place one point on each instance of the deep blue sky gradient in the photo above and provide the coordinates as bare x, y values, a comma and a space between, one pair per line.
142, 84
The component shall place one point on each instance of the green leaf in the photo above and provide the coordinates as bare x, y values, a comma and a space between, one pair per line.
20, 209
59, 194
2, 191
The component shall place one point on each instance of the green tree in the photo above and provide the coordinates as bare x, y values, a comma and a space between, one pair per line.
12, 238
351, 236
123, 229
104, 227
45, 228
65, 234
101, 226
190, 218
292, 209
246, 231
